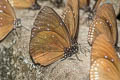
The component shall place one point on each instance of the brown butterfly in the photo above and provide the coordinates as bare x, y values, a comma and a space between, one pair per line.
24, 4
51, 38
105, 64
83, 4
105, 17
7, 18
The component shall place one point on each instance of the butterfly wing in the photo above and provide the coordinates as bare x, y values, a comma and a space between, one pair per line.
84, 3
102, 48
22, 3
103, 69
71, 17
101, 2
99, 26
49, 37
7, 17
106, 12
6, 8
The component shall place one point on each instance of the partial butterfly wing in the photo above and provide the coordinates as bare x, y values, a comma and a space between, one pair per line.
102, 48
84, 3
49, 37
101, 2
71, 17
106, 12
103, 69
23, 3
107, 15
7, 18
105, 64
99, 26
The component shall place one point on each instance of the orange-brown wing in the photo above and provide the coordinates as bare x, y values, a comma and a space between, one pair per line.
84, 4
103, 69
102, 48
71, 17
49, 37
101, 2
106, 12
6, 8
22, 3
99, 26
7, 17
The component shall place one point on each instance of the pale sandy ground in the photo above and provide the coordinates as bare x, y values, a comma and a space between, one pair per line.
18, 64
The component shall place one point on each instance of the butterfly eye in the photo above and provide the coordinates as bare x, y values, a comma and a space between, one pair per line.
32, 4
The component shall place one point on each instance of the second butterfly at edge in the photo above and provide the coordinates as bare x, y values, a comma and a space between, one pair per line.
105, 64
50, 38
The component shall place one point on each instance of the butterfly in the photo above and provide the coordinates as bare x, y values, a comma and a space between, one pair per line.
51, 38
7, 18
25, 4
83, 4
105, 16
105, 64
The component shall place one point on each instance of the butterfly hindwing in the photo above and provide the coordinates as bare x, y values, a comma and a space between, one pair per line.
103, 69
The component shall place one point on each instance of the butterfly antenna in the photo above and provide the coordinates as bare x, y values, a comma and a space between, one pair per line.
83, 50
18, 24
78, 57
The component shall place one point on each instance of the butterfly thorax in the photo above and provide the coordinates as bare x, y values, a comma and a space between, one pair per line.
73, 49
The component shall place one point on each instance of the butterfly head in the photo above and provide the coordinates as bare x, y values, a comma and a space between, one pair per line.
73, 49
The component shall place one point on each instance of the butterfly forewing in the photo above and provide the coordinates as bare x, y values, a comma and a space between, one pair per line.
107, 13
103, 69
49, 37
68, 19
71, 17
7, 18
22, 3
